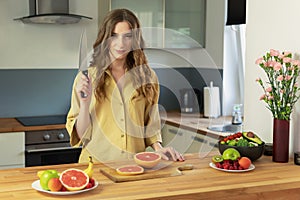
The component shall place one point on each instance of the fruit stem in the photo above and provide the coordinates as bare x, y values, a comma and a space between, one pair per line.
91, 159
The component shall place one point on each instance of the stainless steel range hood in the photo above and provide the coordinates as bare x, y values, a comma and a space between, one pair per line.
50, 12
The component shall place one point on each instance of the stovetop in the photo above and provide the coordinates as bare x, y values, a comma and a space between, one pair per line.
42, 120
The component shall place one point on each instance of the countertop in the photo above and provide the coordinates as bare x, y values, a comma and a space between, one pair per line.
193, 122
268, 180
196, 122
12, 125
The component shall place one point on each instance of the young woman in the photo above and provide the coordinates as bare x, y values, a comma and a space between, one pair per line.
119, 115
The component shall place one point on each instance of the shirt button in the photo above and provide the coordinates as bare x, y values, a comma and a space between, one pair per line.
122, 135
122, 120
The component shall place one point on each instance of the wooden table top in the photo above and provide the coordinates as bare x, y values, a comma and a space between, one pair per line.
268, 180
12, 125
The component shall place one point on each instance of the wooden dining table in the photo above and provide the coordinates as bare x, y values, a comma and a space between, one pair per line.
267, 180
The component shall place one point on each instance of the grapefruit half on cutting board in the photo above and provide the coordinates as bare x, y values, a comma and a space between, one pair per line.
130, 170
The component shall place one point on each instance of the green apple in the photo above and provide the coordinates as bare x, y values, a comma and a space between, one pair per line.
231, 154
46, 176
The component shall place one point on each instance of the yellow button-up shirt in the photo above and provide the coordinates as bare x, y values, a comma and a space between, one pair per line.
123, 124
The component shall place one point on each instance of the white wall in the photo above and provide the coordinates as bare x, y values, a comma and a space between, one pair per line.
43, 45
270, 24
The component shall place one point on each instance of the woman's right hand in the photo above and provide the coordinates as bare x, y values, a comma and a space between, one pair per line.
83, 118
84, 85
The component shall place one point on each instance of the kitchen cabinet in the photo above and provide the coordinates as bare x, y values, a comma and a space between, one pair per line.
166, 23
186, 141
13, 150
187, 18
205, 46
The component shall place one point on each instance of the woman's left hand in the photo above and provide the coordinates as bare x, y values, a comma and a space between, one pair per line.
169, 153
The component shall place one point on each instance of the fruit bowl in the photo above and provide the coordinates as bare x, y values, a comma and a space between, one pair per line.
253, 153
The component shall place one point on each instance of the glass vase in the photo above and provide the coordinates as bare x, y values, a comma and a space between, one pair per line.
281, 135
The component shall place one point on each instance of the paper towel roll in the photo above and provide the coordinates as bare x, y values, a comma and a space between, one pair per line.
211, 101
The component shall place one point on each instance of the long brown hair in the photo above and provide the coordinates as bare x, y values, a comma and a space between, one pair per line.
136, 60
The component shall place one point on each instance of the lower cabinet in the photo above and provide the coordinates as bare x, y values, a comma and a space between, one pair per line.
186, 141
12, 152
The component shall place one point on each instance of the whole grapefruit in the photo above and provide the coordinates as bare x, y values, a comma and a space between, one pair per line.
74, 179
147, 159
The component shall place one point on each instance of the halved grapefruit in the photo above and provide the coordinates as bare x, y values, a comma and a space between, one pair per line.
130, 170
74, 179
147, 159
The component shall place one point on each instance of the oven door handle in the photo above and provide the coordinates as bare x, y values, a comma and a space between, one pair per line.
50, 149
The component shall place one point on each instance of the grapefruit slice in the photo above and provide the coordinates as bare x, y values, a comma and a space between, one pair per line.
147, 159
130, 170
74, 179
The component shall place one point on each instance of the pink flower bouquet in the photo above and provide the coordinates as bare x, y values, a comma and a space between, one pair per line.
281, 88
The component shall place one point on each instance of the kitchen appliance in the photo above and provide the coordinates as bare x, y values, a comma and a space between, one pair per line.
42, 120
50, 12
48, 147
190, 101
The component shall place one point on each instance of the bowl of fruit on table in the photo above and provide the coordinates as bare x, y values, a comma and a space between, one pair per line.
247, 143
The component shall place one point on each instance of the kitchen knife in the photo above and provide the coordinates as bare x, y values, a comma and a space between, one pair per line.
83, 57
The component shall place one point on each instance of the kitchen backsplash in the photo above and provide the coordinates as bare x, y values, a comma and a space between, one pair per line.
31, 92
174, 79
39, 92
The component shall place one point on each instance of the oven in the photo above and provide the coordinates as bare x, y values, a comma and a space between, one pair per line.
48, 147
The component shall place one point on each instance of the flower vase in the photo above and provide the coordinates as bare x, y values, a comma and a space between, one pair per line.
281, 132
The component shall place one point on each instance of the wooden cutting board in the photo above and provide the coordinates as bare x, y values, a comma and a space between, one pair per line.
163, 169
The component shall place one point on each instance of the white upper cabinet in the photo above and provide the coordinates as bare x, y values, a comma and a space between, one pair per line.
187, 19
166, 23
192, 27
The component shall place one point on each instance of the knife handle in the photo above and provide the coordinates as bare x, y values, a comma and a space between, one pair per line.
85, 72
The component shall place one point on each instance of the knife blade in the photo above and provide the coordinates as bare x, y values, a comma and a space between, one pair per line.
83, 57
